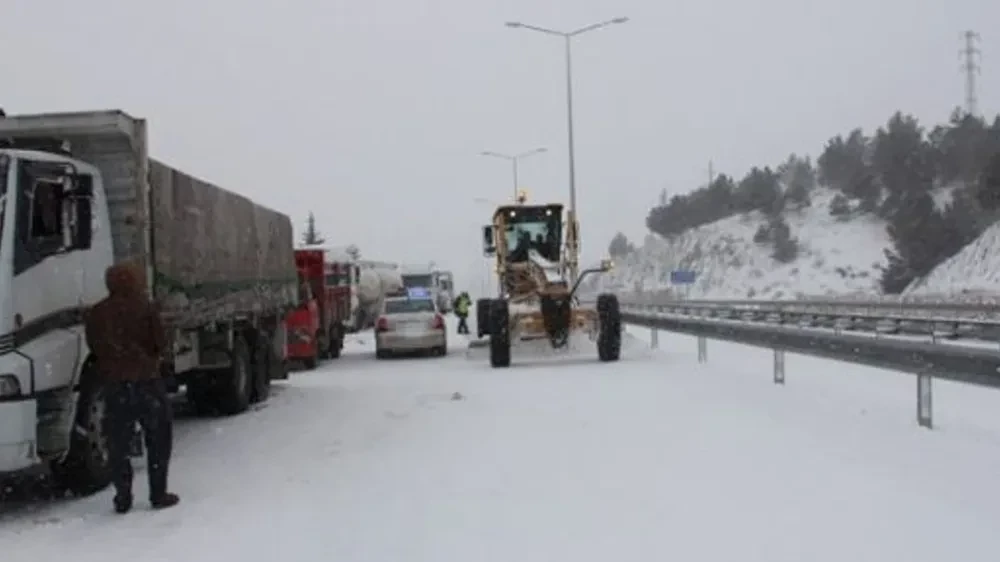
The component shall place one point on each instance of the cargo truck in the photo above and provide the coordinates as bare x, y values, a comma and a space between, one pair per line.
316, 328
361, 284
78, 193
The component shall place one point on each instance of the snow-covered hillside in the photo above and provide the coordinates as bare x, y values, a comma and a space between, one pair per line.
835, 257
973, 271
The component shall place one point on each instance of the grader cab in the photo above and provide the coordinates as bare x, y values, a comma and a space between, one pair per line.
536, 300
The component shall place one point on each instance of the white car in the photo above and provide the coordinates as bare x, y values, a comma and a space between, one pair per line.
410, 323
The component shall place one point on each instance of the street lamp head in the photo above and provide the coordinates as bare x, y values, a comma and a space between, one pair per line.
619, 20
514, 24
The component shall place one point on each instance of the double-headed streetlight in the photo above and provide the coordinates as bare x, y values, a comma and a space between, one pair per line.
513, 159
567, 37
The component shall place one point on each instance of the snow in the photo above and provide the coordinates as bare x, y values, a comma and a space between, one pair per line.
657, 457
551, 269
975, 270
835, 257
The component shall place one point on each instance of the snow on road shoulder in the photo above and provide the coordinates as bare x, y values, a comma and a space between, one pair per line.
841, 389
653, 458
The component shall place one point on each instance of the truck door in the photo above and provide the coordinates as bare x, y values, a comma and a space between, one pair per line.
48, 276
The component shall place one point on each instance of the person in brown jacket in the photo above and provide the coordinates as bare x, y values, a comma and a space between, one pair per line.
127, 339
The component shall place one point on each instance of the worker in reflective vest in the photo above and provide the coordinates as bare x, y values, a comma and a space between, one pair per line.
461, 306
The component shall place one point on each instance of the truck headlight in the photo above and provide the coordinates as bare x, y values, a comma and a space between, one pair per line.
10, 386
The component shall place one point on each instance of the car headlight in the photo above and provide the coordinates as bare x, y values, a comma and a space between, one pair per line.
10, 386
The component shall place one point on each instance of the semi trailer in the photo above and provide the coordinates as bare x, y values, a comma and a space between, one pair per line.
79, 193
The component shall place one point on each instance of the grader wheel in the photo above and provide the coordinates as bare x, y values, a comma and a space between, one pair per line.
499, 333
483, 317
609, 335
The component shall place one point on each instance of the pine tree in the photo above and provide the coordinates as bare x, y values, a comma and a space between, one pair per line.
312, 235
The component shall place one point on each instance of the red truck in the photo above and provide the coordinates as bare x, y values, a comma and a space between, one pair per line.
316, 326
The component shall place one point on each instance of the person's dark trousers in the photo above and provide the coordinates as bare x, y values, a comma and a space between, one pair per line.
463, 328
147, 403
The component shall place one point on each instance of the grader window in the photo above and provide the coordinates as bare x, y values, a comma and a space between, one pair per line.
533, 230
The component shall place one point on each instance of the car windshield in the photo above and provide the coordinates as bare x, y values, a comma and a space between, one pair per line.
411, 280
402, 306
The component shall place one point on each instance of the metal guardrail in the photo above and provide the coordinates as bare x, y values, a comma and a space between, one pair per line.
961, 300
938, 320
778, 326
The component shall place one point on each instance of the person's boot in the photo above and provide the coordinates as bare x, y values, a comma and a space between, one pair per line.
164, 501
122, 503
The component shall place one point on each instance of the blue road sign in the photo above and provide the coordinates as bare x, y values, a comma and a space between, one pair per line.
682, 277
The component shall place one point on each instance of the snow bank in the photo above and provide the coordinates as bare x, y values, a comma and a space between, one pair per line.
835, 257
975, 270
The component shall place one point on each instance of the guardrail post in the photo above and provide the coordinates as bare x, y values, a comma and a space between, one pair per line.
925, 412
779, 366
654, 338
702, 349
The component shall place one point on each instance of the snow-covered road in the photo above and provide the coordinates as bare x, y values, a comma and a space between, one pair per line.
653, 458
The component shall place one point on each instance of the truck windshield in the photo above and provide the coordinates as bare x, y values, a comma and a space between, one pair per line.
410, 281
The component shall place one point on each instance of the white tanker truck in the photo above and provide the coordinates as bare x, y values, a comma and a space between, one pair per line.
374, 282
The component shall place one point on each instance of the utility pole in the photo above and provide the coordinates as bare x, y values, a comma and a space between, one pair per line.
711, 173
970, 66
567, 37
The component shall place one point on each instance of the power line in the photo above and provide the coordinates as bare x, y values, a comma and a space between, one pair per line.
970, 66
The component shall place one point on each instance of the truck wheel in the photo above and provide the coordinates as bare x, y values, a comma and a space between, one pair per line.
609, 328
262, 361
483, 317
336, 342
86, 468
201, 396
310, 363
499, 324
236, 382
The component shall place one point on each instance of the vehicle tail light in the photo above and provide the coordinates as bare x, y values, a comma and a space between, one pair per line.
382, 325
438, 322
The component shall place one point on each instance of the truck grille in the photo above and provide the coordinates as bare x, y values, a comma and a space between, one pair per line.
6, 343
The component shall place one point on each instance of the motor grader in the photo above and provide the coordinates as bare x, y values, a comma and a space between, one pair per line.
534, 271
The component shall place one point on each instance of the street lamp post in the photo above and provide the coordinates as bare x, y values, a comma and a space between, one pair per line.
513, 159
567, 37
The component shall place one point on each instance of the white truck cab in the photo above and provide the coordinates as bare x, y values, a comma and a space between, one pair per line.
53, 253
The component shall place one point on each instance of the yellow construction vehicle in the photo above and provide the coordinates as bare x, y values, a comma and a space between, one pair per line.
538, 279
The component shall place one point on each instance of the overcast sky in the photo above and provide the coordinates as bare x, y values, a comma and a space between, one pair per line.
371, 113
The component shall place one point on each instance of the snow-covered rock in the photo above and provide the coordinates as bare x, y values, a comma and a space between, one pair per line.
836, 257
974, 271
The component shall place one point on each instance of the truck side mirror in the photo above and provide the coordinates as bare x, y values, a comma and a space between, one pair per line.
83, 195
489, 247
84, 235
83, 186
